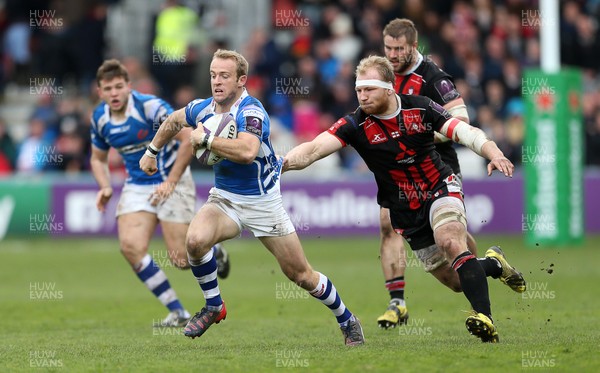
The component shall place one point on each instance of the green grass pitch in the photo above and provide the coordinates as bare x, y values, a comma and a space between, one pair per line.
74, 305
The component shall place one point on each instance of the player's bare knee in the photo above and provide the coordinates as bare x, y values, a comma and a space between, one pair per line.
132, 249
448, 243
294, 275
450, 238
197, 246
302, 278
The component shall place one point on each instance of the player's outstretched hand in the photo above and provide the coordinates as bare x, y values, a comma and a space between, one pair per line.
148, 165
162, 192
501, 164
103, 197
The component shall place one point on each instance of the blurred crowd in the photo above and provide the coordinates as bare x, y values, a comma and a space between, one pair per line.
302, 65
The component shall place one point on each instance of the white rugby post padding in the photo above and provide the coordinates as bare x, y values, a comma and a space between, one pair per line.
549, 36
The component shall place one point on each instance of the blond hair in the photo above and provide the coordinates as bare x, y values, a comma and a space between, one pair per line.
381, 64
240, 62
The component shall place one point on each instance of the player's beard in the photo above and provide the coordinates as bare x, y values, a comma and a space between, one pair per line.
406, 62
375, 108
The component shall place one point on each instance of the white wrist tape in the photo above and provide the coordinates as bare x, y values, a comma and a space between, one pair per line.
374, 83
151, 146
209, 141
149, 154
464, 134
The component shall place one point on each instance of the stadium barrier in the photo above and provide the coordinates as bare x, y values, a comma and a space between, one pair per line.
63, 208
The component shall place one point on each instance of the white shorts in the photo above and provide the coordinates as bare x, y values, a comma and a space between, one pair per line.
180, 207
262, 215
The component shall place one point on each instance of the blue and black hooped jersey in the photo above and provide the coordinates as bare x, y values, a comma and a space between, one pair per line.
144, 114
251, 117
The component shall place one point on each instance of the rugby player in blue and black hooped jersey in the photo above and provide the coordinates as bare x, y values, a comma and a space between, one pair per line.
394, 134
127, 120
246, 195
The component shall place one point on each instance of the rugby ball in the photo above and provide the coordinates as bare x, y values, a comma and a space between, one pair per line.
220, 125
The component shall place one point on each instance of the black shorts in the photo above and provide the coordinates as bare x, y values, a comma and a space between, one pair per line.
448, 155
414, 225
421, 238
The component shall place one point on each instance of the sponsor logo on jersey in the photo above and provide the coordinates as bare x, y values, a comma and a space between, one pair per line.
374, 133
142, 134
405, 155
254, 113
408, 160
119, 129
